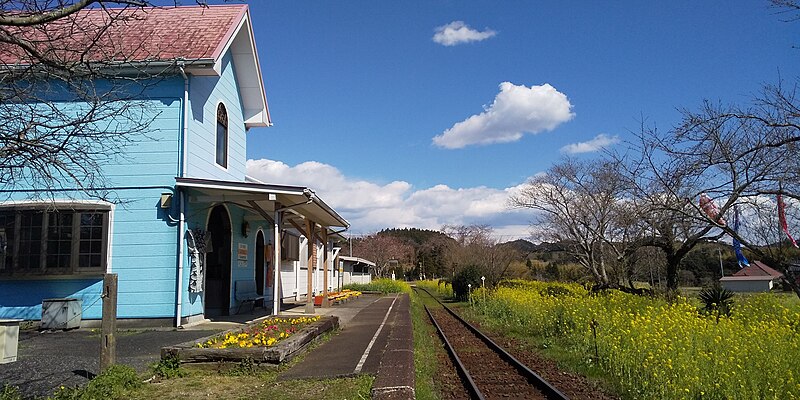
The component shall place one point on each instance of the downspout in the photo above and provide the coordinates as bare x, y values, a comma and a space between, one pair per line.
182, 221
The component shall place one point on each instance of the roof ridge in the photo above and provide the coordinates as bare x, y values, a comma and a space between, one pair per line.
106, 9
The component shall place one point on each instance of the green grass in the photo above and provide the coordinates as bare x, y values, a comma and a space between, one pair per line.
244, 380
425, 347
10, 393
381, 285
200, 383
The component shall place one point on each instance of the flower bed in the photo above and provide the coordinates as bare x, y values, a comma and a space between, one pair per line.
273, 340
337, 297
266, 333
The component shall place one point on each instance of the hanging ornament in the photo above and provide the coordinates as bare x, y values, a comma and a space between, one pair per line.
782, 219
710, 209
737, 246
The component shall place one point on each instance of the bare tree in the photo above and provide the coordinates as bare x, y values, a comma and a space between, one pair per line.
71, 91
580, 204
475, 246
739, 156
384, 250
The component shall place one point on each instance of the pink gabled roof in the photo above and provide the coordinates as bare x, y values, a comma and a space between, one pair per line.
132, 34
757, 268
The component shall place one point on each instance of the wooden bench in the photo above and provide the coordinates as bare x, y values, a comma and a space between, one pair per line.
245, 292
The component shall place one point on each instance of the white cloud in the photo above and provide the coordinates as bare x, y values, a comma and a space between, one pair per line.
516, 110
599, 142
457, 32
371, 206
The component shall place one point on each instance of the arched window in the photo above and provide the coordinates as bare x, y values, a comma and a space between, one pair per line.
222, 136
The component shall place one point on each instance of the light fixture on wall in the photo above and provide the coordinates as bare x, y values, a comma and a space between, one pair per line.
245, 228
166, 200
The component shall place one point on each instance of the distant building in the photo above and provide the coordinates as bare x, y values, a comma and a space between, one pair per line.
758, 277
354, 270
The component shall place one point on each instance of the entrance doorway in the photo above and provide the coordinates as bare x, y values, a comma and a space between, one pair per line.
260, 263
218, 264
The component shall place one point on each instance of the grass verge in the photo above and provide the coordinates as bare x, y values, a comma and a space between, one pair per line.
425, 348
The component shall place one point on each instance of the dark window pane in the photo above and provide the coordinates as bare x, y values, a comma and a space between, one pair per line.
30, 241
222, 135
91, 240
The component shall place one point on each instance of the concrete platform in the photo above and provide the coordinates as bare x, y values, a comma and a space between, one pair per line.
48, 360
361, 344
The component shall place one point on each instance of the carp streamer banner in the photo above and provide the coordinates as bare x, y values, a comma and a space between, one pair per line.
737, 246
782, 219
710, 209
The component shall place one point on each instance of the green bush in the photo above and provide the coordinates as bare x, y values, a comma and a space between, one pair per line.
10, 393
168, 368
716, 299
113, 383
470, 275
245, 367
383, 285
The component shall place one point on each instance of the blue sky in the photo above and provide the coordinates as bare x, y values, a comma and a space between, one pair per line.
358, 90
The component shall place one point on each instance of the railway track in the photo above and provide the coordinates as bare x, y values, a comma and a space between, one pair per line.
486, 369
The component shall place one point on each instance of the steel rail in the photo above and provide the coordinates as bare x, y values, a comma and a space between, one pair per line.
472, 387
549, 390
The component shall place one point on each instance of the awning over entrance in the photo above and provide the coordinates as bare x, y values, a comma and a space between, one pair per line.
262, 198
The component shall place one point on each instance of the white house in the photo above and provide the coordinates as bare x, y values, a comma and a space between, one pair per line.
757, 277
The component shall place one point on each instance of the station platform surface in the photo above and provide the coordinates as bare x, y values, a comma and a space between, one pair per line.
368, 324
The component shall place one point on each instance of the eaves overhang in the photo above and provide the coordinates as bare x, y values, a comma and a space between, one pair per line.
302, 200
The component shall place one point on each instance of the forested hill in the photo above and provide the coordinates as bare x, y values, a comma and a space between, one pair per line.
415, 236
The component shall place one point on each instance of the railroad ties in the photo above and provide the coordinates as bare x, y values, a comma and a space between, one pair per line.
487, 370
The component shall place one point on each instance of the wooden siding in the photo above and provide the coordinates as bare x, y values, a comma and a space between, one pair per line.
205, 93
143, 239
143, 242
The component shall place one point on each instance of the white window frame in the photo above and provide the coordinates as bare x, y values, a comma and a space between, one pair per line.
74, 269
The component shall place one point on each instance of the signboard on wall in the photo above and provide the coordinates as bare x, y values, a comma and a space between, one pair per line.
241, 252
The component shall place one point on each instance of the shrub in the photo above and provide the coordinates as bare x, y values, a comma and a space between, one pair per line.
245, 367
168, 368
383, 285
10, 393
113, 383
471, 275
717, 299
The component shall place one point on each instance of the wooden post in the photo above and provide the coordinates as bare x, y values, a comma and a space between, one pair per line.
309, 285
108, 344
325, 302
